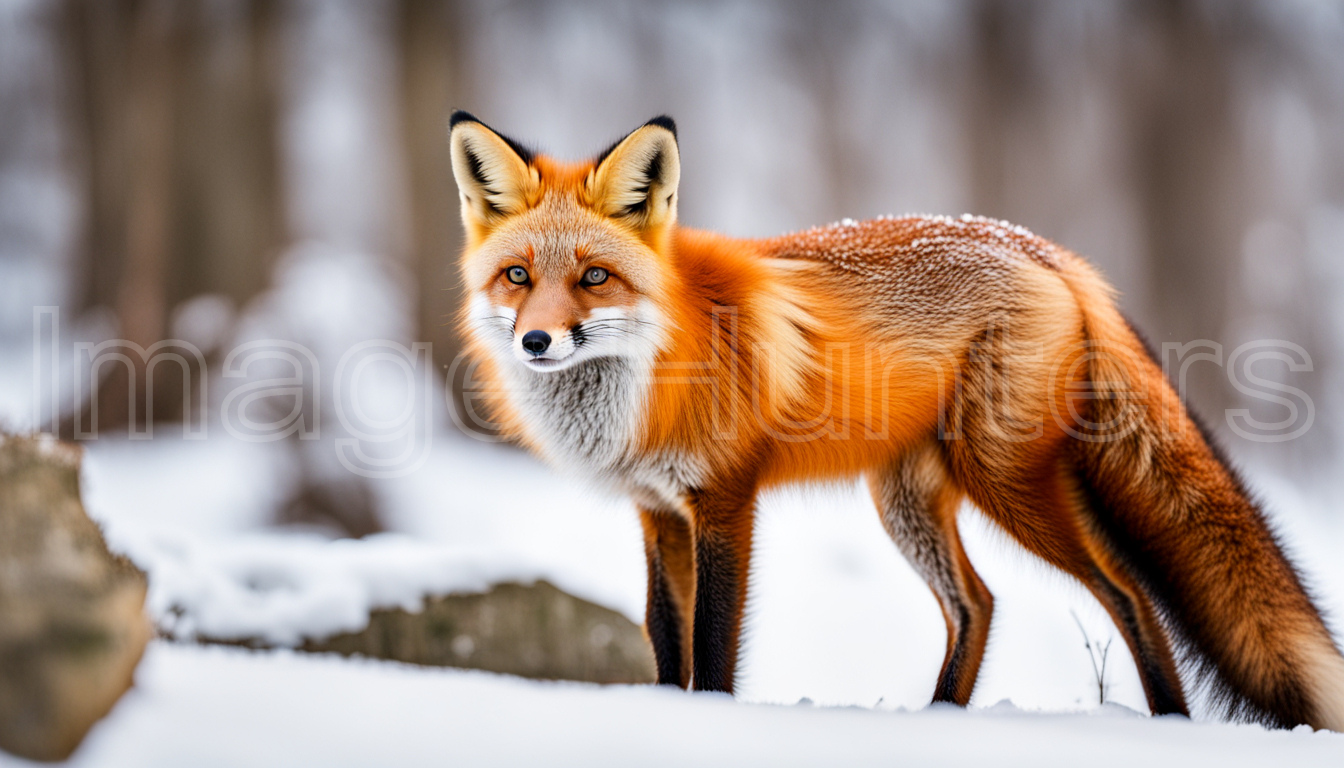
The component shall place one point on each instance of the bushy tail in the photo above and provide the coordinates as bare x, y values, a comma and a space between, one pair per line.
1182, 520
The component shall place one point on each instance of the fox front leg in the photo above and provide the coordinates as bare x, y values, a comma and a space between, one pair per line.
669, 552
721, 526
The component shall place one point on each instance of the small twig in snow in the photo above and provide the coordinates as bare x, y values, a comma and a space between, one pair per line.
1097, 654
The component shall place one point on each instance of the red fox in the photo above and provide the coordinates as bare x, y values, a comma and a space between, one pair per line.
941, 359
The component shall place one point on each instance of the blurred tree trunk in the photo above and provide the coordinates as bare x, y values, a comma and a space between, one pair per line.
95, 38
231, 223
1178, 129
153, 64
816, 37
173, 117
432, 84
121, 54
999, 76
1185, 136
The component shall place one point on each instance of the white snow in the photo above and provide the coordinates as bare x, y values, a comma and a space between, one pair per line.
285, 588
194, 515
203, 707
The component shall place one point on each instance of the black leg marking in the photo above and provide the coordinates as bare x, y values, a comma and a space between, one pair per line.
720, 585
950, 680
664, 626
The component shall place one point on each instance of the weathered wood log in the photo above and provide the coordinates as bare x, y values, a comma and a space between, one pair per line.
72, 622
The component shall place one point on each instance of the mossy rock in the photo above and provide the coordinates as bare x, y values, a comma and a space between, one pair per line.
72, 622
532, 630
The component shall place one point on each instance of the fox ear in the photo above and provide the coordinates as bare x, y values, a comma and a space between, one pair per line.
493, 173
635, 181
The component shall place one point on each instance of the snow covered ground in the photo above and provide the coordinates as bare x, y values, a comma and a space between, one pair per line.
204, 706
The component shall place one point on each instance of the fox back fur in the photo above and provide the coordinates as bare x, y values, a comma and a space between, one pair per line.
941, 359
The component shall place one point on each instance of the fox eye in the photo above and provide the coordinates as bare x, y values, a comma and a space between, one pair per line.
516, 275
595, 276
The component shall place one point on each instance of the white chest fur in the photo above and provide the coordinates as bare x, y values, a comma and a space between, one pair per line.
586, 419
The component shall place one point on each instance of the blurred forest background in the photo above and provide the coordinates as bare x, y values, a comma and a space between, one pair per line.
225, 170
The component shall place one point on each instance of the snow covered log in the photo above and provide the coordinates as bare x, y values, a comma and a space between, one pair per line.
532, 630
72, 621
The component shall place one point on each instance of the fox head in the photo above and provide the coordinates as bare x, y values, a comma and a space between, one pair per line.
565, 262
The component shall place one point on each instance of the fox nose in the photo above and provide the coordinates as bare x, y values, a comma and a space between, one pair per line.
536, 342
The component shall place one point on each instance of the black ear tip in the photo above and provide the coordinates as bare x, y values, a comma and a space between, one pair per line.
461, 116
663, 121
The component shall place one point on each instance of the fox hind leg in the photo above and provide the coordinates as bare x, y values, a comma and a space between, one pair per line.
1034, 500
918, 506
